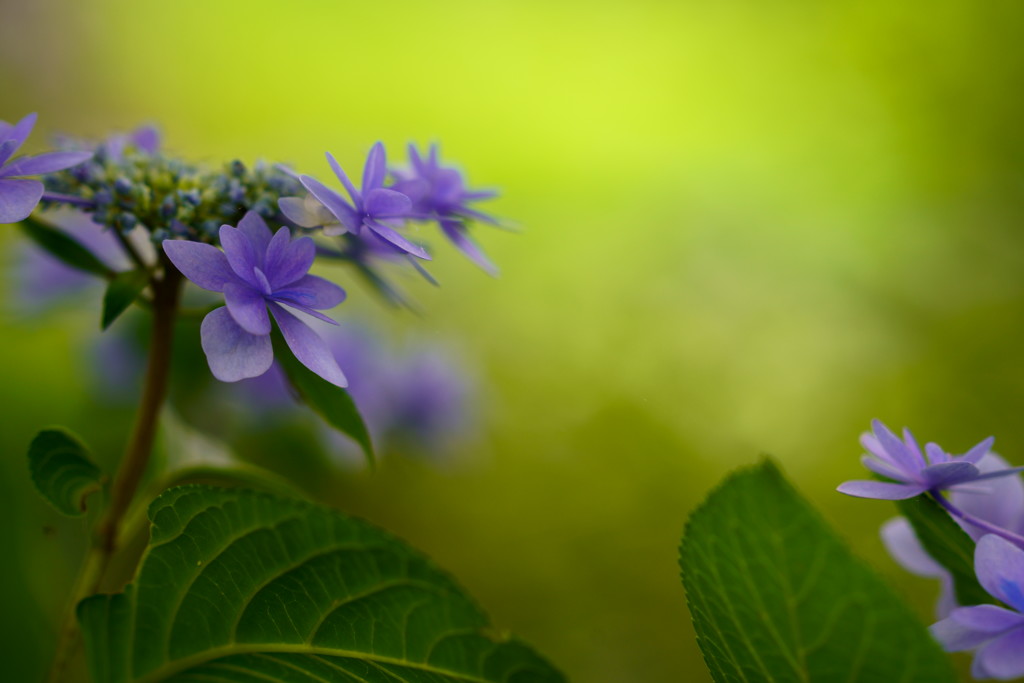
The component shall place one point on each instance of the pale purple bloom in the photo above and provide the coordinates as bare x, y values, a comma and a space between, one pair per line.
42, 280
440, 194
374, 208
905, 464
258, 271
996, 632
145, 139
19, 195
1001, 504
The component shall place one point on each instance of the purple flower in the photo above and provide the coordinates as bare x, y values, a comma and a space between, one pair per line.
258, 271
440, 194
904, 463
1002, 505
375, 208
19, 195
996, 632
145, 139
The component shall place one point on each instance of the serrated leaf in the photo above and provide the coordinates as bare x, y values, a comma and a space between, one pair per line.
244, 586
62, 470
332, 403
122, 291
948, 544
775, 595
65, 248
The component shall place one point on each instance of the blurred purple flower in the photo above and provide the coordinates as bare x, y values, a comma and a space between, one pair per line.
996, 632
1002, 505
257, 271
904, 463
145, 139
43, 280
375, 208
19, 195
440, 194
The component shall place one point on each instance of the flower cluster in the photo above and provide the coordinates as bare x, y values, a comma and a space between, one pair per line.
985, 497
211, 225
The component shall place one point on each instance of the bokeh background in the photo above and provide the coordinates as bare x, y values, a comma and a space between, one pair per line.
746, 228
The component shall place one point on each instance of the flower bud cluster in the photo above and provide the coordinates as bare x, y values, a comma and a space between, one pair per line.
167, 197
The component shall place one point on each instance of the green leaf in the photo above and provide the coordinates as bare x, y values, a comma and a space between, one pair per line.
332, 403
244, 586
62, 470
65, 248
122, 291
776, 595
948, 544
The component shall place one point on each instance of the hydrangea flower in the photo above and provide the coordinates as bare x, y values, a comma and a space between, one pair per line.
257, 272
1002, 505
912, 475
375, 208
996, 632
440, 194
19, 195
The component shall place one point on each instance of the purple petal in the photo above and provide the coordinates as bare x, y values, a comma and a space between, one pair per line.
480, 194
1000, 568
458, 235
946, 474
241, 253
308, 347
147, 139
902, 543
1003, 505
43, 163
306, 212
988, 618
7, 148
955, 637
203, 264
912, 447
233, 353
478, 216
388, 234
19, 132
979, 451
335, 203
313, 292
375, 169
880, 490
18, 198
883, 468
1003, 658
894, 448
349, 187
287, 259
255, 228
382, 203
936, 455
248, 307
306, 309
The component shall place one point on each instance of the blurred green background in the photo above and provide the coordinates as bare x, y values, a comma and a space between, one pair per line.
747, 228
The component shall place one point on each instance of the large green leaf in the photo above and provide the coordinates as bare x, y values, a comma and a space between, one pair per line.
65, 248
245, 586
62, 470
122, 291
948, 544
332, 403
775, 595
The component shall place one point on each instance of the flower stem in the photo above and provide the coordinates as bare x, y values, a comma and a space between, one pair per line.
68, 199
166, 292
165, 308
975, 521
